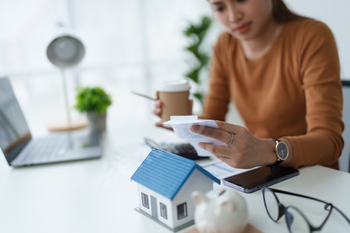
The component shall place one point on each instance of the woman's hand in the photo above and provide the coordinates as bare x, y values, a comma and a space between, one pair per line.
158, 110
245, 150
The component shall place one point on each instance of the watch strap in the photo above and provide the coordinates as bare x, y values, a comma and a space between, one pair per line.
274, 164
279, 161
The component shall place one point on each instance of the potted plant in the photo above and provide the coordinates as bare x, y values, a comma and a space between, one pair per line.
94, 101
196, 34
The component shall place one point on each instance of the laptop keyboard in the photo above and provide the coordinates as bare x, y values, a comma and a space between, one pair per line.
44, 149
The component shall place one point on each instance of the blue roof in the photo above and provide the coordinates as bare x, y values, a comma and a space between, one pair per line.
165, 173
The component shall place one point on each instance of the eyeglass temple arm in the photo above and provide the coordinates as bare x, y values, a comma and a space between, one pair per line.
298, 195
329, 213
347, 219
325, 220
311, 198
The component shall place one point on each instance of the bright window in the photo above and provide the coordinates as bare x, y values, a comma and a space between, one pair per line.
130, 45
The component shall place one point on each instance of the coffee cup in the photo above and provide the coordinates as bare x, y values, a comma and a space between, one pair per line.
174, 97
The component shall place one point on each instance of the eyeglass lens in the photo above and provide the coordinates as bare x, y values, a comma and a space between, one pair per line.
271, 204
296, 222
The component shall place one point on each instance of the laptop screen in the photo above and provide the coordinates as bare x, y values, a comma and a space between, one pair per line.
14, 131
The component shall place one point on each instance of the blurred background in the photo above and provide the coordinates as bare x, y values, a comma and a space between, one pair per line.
130, 45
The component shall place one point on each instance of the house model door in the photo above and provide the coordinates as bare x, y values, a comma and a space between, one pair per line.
154, 207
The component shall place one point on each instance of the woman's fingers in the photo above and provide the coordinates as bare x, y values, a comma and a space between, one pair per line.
159, 124
190, 107
222, 134
217, 134
158, 112
158, 108
216, 150
158, 103
241, 153
235, 129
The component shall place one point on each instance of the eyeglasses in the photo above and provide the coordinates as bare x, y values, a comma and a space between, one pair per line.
295, 219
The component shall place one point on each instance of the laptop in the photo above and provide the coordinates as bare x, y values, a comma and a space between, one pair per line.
20, 149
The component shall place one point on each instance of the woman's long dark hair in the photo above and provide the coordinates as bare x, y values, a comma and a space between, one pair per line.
282, 13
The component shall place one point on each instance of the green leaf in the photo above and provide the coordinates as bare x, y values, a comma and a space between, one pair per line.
92, 99
191, 29
206, 22
203, 59
193, 48
194, 75
196, 34
199, 96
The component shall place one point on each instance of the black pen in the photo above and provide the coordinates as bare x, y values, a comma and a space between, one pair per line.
142, 95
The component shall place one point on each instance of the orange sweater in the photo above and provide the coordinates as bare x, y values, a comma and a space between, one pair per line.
293, 91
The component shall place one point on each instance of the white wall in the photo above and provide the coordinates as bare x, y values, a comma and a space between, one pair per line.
336, 15
130, 45
344, 159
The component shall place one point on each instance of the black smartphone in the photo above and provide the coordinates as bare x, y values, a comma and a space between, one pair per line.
259, 178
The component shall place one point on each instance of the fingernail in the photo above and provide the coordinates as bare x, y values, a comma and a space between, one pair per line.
201, 145
195, 127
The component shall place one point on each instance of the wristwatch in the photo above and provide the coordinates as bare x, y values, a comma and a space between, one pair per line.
281, 151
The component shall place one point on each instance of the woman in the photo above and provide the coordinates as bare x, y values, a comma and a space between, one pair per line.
282, 71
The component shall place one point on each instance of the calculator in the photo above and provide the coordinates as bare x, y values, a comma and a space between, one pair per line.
185, 150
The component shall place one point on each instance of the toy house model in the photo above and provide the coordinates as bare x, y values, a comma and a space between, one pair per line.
165, 183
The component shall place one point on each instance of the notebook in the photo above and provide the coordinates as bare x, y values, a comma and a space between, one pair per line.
20, 149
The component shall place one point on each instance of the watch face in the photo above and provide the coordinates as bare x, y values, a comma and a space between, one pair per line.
282, 150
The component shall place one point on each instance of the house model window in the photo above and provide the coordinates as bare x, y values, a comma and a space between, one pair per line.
181, 211
145, 200
163, 212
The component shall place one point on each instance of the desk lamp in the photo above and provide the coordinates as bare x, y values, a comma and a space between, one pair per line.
65, 50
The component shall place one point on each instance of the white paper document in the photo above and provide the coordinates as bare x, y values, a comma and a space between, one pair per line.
181, 126
220, 169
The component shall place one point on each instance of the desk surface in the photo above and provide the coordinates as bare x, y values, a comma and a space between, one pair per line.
98, 196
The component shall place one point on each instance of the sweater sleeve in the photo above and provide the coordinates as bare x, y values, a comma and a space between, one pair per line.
217, 99
320, 72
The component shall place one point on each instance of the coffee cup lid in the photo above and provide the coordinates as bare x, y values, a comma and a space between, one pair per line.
175, 85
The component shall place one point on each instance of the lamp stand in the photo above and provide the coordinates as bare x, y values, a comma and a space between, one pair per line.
68, 124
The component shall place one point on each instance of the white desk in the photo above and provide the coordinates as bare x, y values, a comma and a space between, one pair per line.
97, 195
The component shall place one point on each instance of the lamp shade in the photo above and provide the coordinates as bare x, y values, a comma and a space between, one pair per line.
65, 50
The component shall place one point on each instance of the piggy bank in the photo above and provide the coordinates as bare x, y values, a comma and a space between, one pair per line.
220, 211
